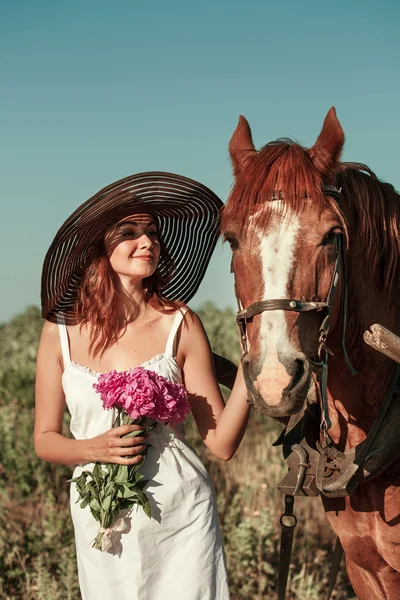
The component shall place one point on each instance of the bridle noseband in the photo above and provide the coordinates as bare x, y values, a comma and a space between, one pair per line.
304, 306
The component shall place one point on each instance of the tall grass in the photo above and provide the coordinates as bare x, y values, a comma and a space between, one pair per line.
37, 553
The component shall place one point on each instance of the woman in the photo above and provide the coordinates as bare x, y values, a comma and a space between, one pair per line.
114, 284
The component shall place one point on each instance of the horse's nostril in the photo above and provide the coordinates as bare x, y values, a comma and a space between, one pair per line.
298, 375
251, 367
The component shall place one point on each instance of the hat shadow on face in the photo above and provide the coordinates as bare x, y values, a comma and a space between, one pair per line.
116, 233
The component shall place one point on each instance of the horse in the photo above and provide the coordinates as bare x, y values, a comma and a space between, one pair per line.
316, 255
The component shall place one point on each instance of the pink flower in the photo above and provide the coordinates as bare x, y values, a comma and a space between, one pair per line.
140, 394
111, 387
182, 407
144, 393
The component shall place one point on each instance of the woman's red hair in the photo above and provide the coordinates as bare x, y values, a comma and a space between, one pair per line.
99, 302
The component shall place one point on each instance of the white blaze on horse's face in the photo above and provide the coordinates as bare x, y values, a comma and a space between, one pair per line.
277, 247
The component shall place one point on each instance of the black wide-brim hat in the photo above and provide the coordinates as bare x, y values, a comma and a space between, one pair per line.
188, 221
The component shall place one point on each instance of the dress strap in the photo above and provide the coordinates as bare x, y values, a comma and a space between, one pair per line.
170, 348
62, 328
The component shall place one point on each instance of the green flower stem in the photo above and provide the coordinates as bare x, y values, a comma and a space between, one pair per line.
111, 488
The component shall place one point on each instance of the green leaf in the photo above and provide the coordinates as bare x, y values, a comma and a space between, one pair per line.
129, 493
77, 479
92, 487
124, 491
82, 488
122, 474
110, 487
97, 474
94, 504
113, 470
147, 508
106, 504
120, 491
86, 474
142, 496
126, 504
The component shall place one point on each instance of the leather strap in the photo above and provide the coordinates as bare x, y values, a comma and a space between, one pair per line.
371, 456
381, 446
280, 304
336, 560
345, 294
288, 523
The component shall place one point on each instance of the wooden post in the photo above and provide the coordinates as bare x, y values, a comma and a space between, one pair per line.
383, 340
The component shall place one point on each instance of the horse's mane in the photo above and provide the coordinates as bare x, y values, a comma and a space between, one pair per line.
376, 210
369, 208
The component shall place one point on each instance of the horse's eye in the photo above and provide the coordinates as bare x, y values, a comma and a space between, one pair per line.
232, 241
330, 237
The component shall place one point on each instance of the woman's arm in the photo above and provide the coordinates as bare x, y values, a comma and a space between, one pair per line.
221, 427
49, 442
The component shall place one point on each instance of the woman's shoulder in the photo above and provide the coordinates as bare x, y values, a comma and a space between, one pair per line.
188, 316
50, 338
192, 326
191, 322
171, 310
50, 330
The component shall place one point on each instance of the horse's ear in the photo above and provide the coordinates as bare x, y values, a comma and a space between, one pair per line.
241, 147
327, 149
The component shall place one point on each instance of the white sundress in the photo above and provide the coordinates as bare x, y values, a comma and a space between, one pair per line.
178, 553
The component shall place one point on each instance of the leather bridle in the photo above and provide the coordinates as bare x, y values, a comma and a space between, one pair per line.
303, 306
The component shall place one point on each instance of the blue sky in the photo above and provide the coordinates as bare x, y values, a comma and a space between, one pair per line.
92, 91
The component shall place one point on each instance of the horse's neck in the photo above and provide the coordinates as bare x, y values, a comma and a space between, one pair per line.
355, 400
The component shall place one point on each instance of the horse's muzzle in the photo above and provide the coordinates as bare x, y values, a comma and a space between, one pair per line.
293, 395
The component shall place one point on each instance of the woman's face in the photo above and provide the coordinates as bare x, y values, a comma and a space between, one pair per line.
132, 246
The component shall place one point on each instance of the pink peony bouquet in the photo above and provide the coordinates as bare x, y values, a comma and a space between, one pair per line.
140, 397
143, 393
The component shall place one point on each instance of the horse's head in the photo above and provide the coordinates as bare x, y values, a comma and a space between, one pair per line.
283, 226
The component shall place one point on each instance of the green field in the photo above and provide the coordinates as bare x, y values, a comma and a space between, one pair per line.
37, 555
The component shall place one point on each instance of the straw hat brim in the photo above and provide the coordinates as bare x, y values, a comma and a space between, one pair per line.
188, 219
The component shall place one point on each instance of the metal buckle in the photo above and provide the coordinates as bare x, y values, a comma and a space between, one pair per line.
288, 519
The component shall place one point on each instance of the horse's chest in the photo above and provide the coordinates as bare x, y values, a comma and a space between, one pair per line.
369, 527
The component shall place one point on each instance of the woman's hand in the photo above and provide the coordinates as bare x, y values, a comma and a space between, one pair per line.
113, 447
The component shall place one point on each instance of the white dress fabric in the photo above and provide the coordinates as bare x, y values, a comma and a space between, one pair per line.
178, 553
